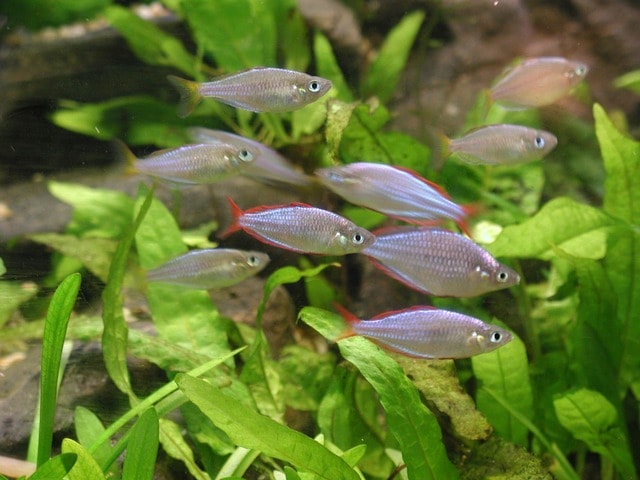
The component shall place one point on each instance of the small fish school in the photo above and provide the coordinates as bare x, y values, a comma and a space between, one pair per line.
423, 257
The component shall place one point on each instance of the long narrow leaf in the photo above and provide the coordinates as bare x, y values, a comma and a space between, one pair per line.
249, 429
114, 336
55, 330
142, 449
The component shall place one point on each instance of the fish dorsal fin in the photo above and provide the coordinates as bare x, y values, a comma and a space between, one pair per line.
403, 228
417, 176
267, 208
415, 308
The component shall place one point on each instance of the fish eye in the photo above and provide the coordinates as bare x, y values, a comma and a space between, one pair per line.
495, 337
253, 261
502, 276
580, 70
539, 141
314, 86
358, 238
245, 155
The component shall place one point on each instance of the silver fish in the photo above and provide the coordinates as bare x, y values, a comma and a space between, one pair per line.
438, 262
261, 89
192, 164
301, 228
501, 145
209, 268
269, 166
537, 82
396, 192
426, 332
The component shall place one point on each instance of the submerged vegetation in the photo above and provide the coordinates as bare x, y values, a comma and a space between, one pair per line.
561, 398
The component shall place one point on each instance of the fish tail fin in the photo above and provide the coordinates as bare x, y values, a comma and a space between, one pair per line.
441, 149
189, 94
350, 318
237, 213
488, 102
470, 210
125, 156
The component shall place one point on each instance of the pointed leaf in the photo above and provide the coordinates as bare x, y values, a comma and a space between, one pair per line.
177, 448
142, 448
88, 429
249, 429
548, 228
86, 466
505, 371
12, 295
56, 468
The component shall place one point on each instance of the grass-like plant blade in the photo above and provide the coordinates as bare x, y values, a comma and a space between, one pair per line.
249, 429
384, 73
411, 423
85, 467
590, 417
55, 330
630, 81
621, 157
183, 316
548, 228
114, 335
55, 468
142, 449
150, 43
505, 371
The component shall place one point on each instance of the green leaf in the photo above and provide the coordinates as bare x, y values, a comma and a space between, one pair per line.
328, 325
232, 32
305, 375
12, 295
411, 423
327, 67
182, 316
363, 139
148, 42
630, 81
155, 122
85, 467
36, 14
94, 253
56, 468
55, 330
622, 199
548, 229
3, 269
385, 71
114, 335
590, 417
505, 372
96, 212
251, 430
338, 117
88, 429
293, 34
142, 448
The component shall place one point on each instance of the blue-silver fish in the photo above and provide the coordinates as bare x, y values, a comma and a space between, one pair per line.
396, 192
438, 262
261, 89
192, 164
500, 145
209, 268
301, 228
269, 166
537, 82
426, 332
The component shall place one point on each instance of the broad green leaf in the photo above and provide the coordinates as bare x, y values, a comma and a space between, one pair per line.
55, 468
232, 33
505, 371
630, 81
439, 384
85, 467
114, 335
3, 269
329, 326
142, 448
198, 237
293, 33
590, 417
385, 71
155, 122
96, 212
408, 420
176, 447
88, 429
622, 200
364, 140
36, 14
338, 117
183, 316
327, 67
94, 253
148, 42
55, 330
306, 376
12, 295
249, 429
548, 229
